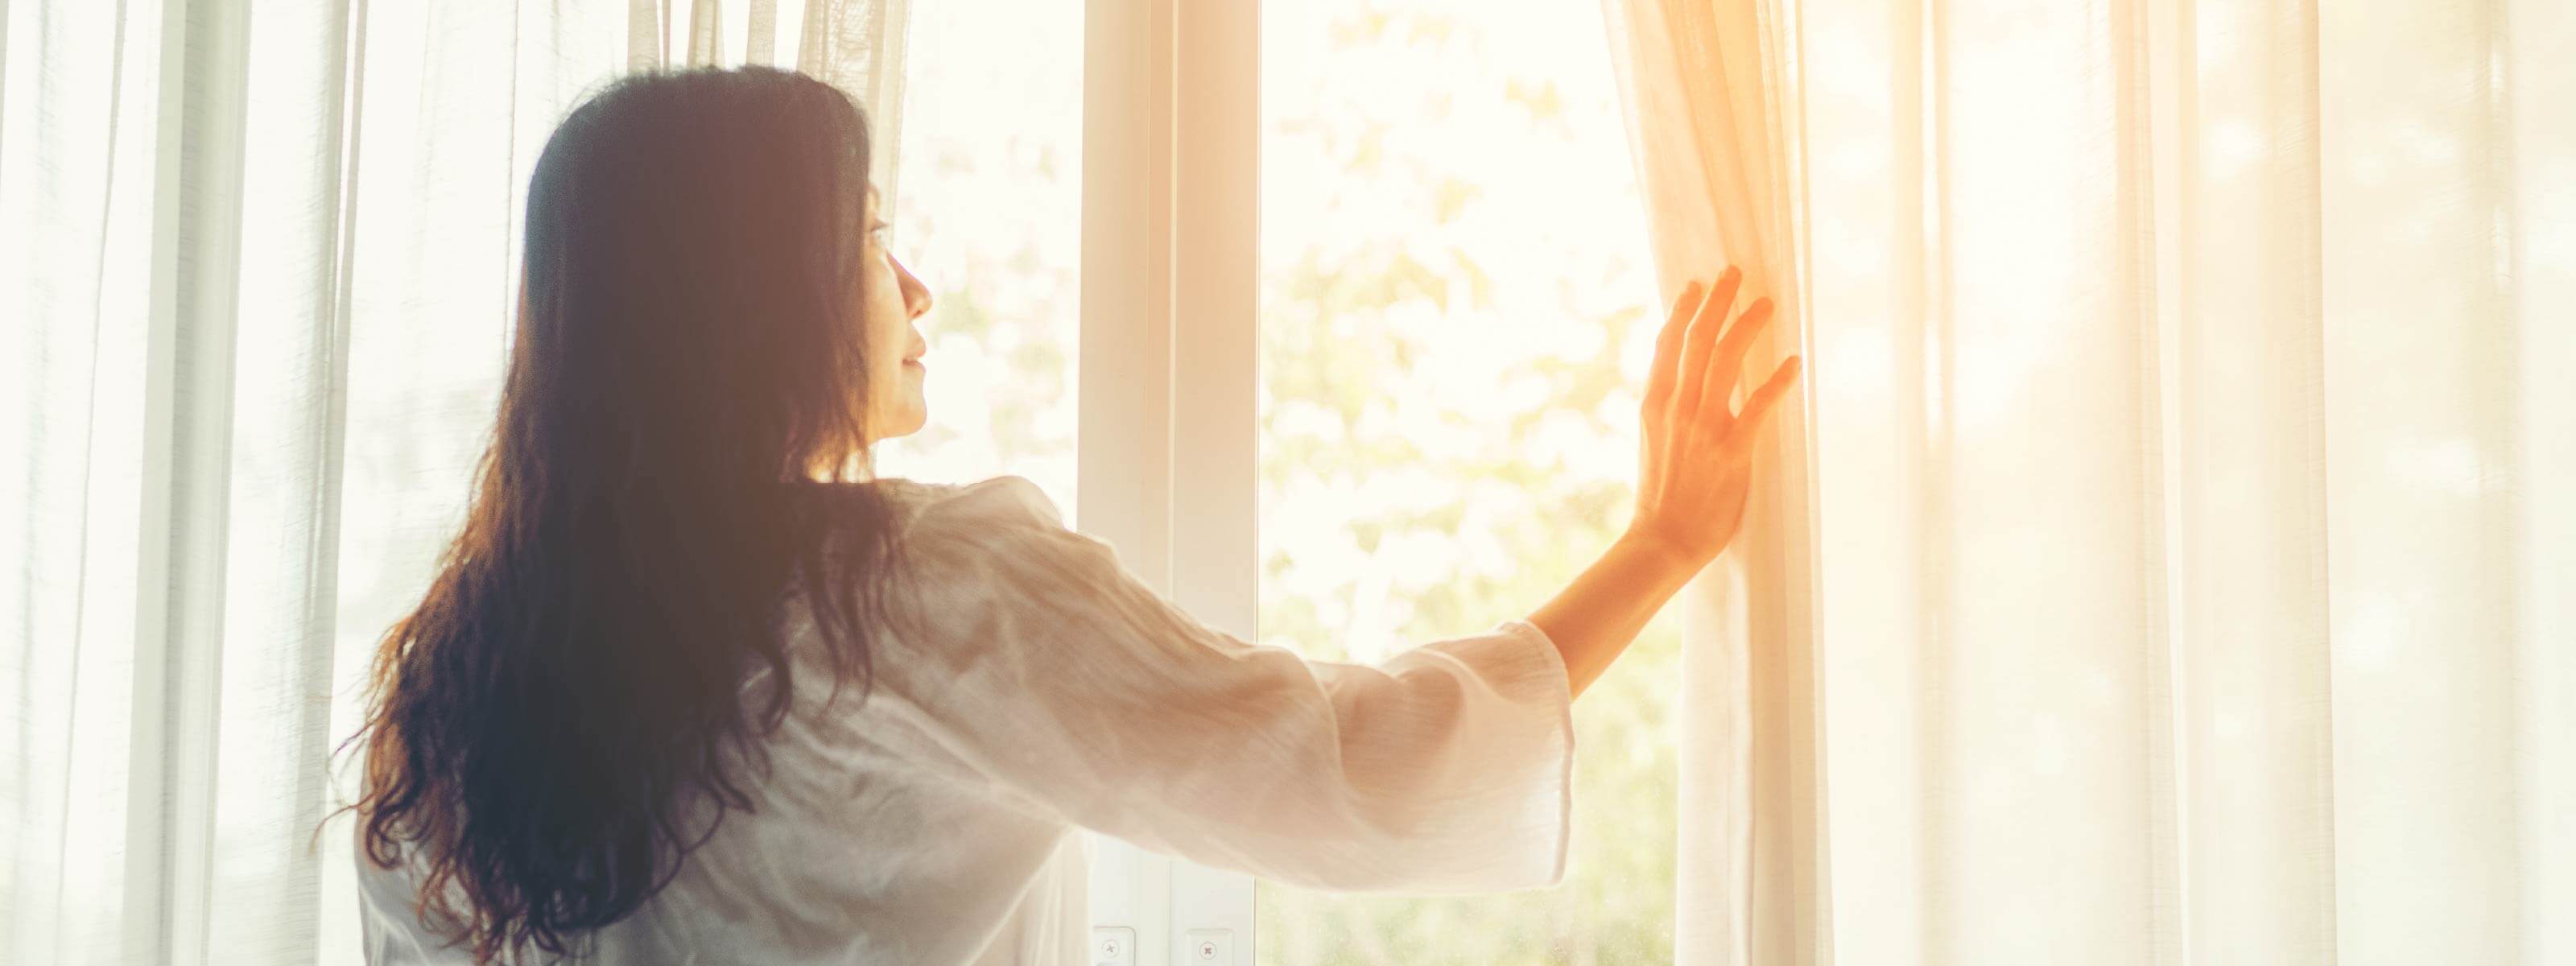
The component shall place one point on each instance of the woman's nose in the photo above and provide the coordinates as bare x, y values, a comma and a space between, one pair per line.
916, 296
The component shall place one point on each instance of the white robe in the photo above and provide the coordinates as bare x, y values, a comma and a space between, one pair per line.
1048, 688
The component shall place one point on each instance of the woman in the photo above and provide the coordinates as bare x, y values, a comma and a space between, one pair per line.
694, 686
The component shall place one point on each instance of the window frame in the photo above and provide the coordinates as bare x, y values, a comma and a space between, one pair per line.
1170, 208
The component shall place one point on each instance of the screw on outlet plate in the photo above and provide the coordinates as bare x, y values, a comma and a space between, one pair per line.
1113, 946
1209, 947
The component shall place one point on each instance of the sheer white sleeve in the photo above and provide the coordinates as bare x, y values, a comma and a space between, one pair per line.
1050, 670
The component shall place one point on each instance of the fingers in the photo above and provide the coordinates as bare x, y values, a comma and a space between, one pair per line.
1731, 348
1668, 346
1726, 363
1702, 338
1766, 397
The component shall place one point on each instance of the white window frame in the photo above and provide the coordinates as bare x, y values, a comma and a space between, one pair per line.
1166, 447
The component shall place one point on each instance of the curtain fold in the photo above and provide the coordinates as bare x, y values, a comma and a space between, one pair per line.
1706, 87
858, 46
2190, 580
260, 261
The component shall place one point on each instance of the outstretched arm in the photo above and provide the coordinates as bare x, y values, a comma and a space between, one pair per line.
1693, 474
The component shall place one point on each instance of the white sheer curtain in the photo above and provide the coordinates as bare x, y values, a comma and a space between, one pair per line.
257, 268
1714, 147
2182, 565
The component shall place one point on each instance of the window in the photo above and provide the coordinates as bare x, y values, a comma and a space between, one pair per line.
1456, 308
988, 209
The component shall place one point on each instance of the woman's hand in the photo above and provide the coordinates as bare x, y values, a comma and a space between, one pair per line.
1698, 458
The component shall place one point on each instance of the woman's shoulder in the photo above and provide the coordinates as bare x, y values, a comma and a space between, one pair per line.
993, 541
997, 501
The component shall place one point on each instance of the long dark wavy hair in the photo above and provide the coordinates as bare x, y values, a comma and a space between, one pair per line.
682, 446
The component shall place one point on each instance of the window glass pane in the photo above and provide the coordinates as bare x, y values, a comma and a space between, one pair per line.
988, 212
1457, 306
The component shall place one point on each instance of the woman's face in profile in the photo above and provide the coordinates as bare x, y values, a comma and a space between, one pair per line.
893, 299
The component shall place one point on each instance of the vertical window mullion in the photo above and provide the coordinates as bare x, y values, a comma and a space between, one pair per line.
1216, 206
1165, 449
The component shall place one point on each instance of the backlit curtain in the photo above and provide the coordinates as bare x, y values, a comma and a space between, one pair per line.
1715, 147
2176, 562
257, 271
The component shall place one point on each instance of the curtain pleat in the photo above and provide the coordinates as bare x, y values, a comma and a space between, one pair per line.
858, 46
644, 33
2427, 512
2188, 576
2534, 88
2241, 302
706, 35
1705, 86
762, 46
81, 152
272, 661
